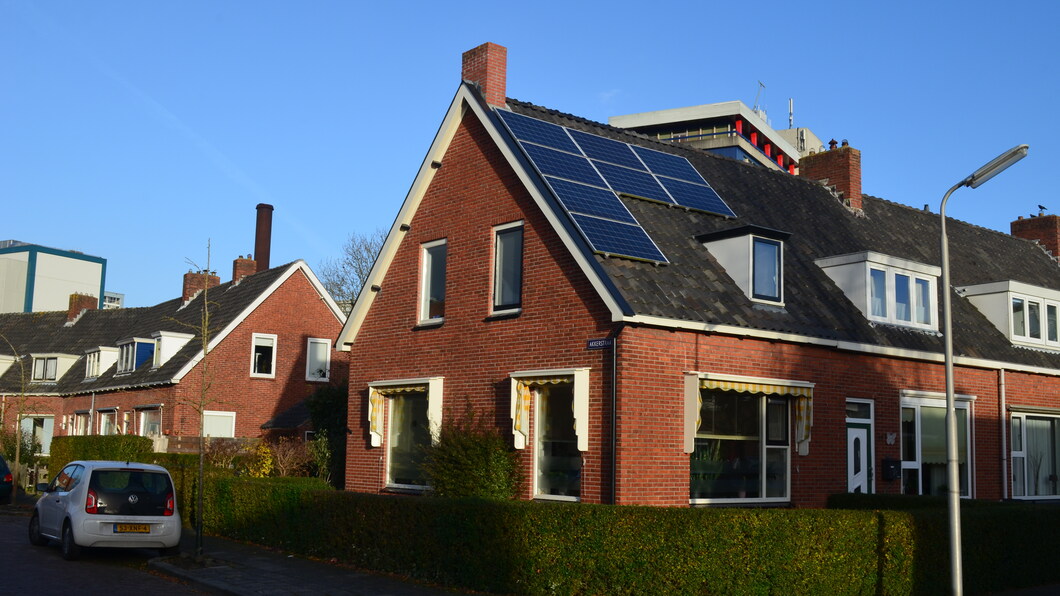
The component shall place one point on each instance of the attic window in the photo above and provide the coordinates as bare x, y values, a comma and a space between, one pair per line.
44, 369
1026, 314
887, 289
133, 353
753, 257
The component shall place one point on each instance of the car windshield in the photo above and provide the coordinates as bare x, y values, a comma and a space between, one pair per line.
131, 492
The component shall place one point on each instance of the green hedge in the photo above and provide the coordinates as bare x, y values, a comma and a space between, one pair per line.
112, 447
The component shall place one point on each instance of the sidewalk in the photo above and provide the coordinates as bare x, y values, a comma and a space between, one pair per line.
238, 568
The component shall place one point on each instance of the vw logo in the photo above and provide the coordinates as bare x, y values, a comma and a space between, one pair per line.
134, 499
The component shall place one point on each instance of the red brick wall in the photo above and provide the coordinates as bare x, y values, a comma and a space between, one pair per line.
474, 191
1043, 228
294, 313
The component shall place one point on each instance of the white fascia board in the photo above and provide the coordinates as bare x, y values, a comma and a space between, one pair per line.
845, 346
869, 256
322, 291
220, 336
462, 103
1013, 286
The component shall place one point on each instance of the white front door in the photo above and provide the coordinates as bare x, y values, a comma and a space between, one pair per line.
859, 457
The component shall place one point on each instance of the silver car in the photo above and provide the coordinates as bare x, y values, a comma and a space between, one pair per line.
107, 503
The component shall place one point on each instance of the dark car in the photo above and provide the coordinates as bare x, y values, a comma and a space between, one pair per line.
5, 479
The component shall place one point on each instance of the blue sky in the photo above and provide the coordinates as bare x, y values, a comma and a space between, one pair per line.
142, 131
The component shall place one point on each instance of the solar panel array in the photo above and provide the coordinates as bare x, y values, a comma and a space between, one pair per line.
587, 172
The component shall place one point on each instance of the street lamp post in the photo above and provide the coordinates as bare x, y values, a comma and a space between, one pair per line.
980, 176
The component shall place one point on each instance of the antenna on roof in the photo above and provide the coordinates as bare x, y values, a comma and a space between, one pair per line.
756, 108
791, 113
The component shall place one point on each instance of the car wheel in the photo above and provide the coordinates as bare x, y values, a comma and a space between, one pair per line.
71, 550
35, 537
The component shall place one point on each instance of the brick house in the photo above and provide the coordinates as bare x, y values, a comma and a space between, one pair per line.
653, 324
140, 370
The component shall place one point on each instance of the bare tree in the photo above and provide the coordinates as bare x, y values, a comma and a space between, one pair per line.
20, 406
343, 277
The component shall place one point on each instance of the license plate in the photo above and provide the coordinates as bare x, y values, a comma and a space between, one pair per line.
132, 528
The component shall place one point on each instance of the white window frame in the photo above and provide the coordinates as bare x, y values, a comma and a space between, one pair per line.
92, 365
778, 264
221, 415
141, 421
81, 423
521, 424
1020, 416
107, 417
379, 406
427, 266
1043, 320
501, 273
313, 372
45, 446
928, 399
254, 343
891, 295
49, 369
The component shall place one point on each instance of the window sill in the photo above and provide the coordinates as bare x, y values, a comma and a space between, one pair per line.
266, 377
317, 380
501, 315
556, 499
429, 324
403, 489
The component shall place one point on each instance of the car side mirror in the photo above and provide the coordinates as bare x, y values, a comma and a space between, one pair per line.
43, 487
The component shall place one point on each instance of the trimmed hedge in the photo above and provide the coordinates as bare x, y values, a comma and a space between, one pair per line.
113, 447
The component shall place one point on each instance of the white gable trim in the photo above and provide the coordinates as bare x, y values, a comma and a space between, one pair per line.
463, 102
220, 336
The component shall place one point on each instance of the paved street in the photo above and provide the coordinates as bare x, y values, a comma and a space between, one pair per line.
28, 569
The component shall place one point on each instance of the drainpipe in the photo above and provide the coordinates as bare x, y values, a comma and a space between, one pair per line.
92, 416
614, 412
1004, 439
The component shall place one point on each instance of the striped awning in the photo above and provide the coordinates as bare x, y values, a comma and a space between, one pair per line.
766, 388
396, 389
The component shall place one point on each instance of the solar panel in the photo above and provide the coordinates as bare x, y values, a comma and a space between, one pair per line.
632, 182
618, 238
606, 150
666, 164
696, 196
564, 165
537, 131
579, 198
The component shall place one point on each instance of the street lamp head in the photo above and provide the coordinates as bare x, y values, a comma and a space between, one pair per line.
996, 166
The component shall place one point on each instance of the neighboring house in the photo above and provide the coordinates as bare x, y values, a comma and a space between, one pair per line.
38, 279
140, 370
642, 340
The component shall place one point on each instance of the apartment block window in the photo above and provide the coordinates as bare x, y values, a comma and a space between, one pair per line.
318, 359
923, 441
508, 267
412, 411
768, 267
432, 284
263, 356
45, 368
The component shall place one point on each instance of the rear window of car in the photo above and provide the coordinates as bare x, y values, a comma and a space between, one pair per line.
131, 492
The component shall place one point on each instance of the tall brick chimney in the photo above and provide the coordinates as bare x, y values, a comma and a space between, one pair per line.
487, 67
80, 303
1043, 228
263, 236
840, 166
242, 267
196, 281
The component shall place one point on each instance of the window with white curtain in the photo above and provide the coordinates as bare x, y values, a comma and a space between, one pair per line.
318, 359
1035, 456
923, 443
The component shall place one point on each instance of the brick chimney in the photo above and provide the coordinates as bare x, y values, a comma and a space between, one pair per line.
263, 236
242, 267
487, 67
80, 303
1043, 228
196, 281
840, 166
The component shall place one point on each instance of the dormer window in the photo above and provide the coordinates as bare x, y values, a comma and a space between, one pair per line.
887, 289
753, 257
133, 353
1026, 314
45, 368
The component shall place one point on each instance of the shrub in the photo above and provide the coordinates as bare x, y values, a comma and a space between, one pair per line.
261, 463
471, 459
107, 447
290, 456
